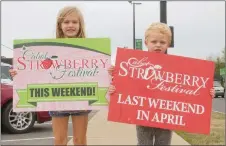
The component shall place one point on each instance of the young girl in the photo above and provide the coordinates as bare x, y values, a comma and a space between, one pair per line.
157, 39
70, 24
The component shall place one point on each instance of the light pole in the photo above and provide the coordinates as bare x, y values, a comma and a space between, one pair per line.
163, 19
134, 37
163, 12
163, 16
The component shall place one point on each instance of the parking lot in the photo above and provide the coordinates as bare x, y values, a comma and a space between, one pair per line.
219, 105
40, 135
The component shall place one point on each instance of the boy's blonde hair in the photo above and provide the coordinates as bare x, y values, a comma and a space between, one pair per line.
160, 28
64, 13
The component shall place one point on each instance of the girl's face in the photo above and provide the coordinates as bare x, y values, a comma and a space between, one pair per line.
157, 42
70, 25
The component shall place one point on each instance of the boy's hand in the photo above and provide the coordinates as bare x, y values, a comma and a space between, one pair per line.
111, 89
111, 70
12, 72
212, 92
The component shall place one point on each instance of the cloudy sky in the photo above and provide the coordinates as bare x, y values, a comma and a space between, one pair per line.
199, 26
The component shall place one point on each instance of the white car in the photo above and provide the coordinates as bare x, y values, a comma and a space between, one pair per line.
5, 78
219, 89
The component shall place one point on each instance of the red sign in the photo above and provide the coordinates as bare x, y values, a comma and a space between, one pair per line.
164, 91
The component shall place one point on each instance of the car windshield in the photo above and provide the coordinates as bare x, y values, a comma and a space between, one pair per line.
217, 84
5, 73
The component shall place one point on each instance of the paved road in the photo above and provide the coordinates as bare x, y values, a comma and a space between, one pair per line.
40, 135
219, 104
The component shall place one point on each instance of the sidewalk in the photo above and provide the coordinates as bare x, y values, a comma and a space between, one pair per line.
101, 132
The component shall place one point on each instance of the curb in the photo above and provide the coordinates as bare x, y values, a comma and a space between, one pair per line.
218, 112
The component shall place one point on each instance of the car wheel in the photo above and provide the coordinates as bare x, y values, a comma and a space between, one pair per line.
16, 123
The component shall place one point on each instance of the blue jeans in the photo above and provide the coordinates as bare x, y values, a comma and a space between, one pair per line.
68, 113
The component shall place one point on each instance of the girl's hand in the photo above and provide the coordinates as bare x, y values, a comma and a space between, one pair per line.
111, 70
12, 72
212, 92
111, 89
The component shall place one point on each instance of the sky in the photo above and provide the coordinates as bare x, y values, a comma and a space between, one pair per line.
199, 27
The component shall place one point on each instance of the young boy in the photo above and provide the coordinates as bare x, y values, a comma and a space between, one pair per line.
157, 39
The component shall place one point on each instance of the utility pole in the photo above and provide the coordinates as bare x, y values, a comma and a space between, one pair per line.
163, 12
134, 24
163, 19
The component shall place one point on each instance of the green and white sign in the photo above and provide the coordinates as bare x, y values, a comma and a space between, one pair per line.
61, 74
222, 71
139, 44
62, 92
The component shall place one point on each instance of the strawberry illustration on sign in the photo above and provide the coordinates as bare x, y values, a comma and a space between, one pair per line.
48, 62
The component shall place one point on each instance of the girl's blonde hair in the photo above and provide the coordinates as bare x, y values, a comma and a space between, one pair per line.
161, 28
64, 13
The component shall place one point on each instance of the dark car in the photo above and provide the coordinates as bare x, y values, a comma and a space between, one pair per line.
16, 122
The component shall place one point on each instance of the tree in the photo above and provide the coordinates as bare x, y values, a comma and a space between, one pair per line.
223, 55
219, 64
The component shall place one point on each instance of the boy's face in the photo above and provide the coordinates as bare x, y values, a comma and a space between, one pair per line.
157, 42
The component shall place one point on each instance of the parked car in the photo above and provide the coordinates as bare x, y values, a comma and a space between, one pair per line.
16, 122
219, 89
224, 89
